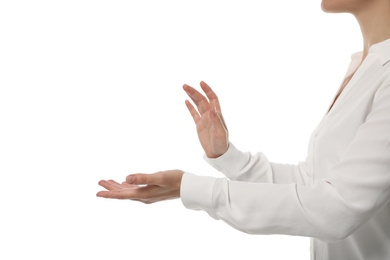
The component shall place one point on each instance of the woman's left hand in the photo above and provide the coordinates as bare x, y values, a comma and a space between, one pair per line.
146, 188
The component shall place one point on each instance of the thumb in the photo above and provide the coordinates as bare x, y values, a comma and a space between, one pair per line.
141, 178
217, 121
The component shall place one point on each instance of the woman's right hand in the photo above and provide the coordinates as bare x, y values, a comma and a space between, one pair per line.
210, 125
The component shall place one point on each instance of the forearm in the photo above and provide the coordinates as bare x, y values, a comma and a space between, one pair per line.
264, 208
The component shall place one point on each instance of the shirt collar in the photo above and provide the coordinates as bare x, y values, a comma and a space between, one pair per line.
381, 48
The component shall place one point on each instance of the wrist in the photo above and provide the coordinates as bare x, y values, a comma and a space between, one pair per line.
216, 155
178, 186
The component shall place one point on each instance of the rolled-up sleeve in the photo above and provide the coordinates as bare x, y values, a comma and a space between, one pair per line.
329, 209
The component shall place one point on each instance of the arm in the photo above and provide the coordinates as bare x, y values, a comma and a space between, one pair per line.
240, 166
329, 209
222, 155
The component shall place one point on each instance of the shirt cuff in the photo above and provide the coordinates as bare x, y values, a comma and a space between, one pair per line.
230, 163
196, 192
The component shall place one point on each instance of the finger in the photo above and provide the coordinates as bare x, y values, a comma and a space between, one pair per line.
193, 112
107, 185
214, 101
139, 194
217, 121
141, 178
200, 101
210, 95
126, 185
115, 184
222, 119
118, 194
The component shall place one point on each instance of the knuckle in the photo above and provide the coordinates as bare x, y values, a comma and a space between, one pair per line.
142, 180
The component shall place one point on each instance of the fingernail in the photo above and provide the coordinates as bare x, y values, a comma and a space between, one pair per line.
131, 179
215, 111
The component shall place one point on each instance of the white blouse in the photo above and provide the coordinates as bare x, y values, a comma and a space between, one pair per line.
339, 196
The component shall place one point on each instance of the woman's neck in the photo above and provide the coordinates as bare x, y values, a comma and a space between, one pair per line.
374, 21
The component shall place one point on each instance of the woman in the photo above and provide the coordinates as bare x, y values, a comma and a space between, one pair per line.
339, 196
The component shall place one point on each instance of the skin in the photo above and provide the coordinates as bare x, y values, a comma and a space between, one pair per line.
146, 188
373, 17
165, 185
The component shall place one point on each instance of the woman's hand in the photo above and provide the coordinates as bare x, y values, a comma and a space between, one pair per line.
210, 125
163, 185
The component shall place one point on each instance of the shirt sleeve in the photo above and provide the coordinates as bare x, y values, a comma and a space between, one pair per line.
240, 166
329, 209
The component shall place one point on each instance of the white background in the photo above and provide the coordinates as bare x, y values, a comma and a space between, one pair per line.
92, 90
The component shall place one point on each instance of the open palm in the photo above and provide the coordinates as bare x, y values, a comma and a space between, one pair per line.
210, 125
146, 188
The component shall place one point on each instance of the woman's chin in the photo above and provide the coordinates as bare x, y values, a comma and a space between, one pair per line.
336, 6
328, 7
